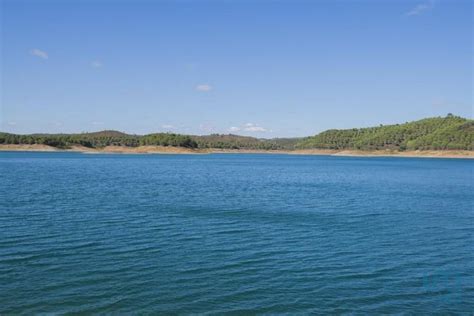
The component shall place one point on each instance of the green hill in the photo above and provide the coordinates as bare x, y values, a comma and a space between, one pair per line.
99, 139
438, 133
230, 141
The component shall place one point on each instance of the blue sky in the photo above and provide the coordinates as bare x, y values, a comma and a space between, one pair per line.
260, 68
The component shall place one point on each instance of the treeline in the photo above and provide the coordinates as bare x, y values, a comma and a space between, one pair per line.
168, 139
114, 138
231, 141
99, 139
439, 133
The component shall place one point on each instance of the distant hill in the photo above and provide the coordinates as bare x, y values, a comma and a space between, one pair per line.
230, 141
99, 139
107, 133
438, 133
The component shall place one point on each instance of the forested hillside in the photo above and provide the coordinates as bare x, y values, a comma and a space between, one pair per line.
99, 139
114, 138
230, 141
439, 133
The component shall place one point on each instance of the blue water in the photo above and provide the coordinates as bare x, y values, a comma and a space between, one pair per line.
242, 234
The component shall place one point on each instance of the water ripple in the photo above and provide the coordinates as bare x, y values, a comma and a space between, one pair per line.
230, 234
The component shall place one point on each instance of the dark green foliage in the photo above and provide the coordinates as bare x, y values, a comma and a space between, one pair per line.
108, 138
166, 139
99, 139
243, 142
450, 132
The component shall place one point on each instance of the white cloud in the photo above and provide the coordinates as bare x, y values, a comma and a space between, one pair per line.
255, 129
252, 127
167, 126
39, 53
97, 123
234, 129
11, 123
248, 127
203, 87
419, 9
96, 64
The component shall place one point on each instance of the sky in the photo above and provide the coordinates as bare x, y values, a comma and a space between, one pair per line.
260, 68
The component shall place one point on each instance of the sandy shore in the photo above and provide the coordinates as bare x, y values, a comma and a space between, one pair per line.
389, 153
105, 150
182, 150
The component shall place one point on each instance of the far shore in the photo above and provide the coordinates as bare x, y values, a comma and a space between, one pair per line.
183, 150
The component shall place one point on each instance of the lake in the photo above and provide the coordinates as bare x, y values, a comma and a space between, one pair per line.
235, 233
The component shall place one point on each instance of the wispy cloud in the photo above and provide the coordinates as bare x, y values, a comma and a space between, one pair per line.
234, 129
420, 8
254, 129
248, 127
97, 123
39, 53
11, 123
97, 64
203, 87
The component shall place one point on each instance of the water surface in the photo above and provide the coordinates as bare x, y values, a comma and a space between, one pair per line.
241, 234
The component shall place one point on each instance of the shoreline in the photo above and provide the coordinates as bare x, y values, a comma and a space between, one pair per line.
183, 150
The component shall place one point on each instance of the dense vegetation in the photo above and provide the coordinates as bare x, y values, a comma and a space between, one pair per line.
439, 133
243, 142
99, 139
114, 138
